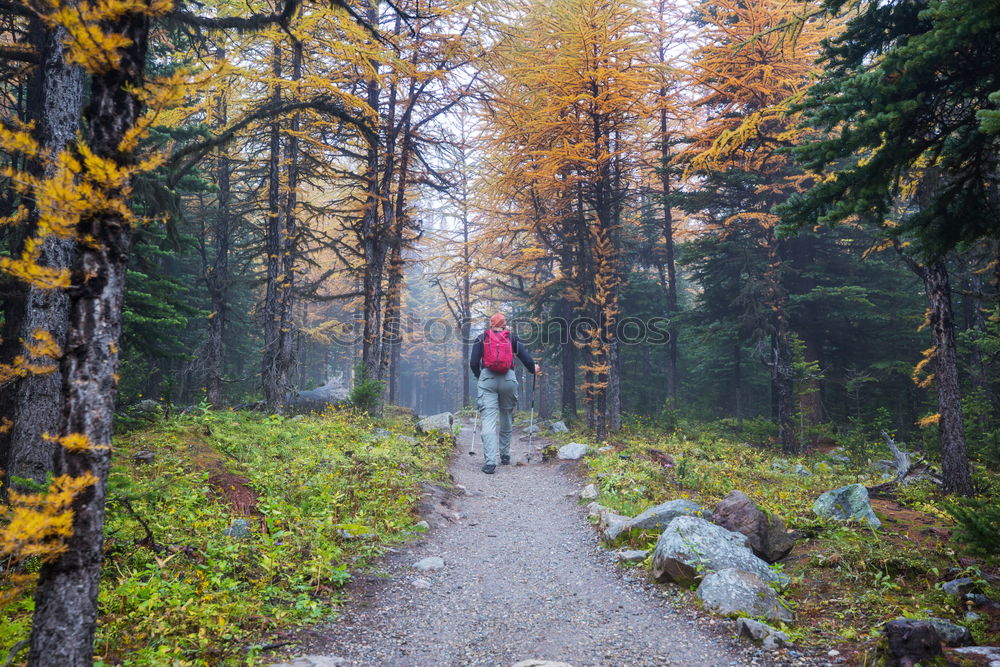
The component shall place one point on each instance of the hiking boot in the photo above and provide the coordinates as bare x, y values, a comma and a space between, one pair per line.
505, 460
489, 468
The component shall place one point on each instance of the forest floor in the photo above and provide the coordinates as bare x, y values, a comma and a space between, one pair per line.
225, 530
523, 577
847, 580
237, 537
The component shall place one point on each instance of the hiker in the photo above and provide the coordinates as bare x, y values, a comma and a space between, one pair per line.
492, 362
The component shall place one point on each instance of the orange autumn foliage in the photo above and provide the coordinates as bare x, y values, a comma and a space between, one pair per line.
751, 71
35, 526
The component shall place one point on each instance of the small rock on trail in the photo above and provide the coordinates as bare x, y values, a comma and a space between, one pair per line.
525, 580
429, 564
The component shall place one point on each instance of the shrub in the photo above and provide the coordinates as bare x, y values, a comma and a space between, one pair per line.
978, 524
367, 394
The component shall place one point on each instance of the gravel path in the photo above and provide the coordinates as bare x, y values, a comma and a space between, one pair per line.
523, 578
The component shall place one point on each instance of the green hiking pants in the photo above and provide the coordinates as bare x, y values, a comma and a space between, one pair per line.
497, 397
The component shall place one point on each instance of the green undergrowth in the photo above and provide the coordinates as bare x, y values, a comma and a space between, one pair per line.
317, 497
847, 579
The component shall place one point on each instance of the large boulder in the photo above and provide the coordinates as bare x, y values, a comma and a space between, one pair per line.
655, 518
766, 532
439, 422
691, 547
333, 392
659, 516
559, 427
573, 451
731, 591
847, 503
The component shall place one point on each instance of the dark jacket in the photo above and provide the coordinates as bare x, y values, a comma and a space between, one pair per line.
520, 351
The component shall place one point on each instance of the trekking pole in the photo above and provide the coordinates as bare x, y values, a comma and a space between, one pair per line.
531, 419
472, 441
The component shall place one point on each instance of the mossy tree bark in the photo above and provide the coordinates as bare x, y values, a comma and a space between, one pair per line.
34, 404
65, 615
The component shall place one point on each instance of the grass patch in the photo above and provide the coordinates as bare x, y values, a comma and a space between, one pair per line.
847, 580
317, 497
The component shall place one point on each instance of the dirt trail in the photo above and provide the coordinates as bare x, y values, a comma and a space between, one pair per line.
523, 578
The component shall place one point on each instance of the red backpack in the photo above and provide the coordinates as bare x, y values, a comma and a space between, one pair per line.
498, 352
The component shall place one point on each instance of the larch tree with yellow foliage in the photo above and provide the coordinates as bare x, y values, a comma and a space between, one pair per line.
751, 70
570, 91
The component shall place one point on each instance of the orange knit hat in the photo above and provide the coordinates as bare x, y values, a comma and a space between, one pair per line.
498, 321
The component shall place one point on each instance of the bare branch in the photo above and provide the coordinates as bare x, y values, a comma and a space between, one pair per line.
185, 159
18, 53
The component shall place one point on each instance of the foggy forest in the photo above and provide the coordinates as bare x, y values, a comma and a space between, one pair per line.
246, 247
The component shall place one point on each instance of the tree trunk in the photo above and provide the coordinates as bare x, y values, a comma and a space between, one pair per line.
290, 238
737, 381
668, 264
588, 379
373, 250
391, 329
466, 333
65, 614
782, 373
812, 388
282, 239
669, 261
544, 396
954, 460
614, 406
803, 254
34, 404
372, 242
218, 275
781, 380
395, 213
600, 409
394, 370
466, 296
270, 373
567, 357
